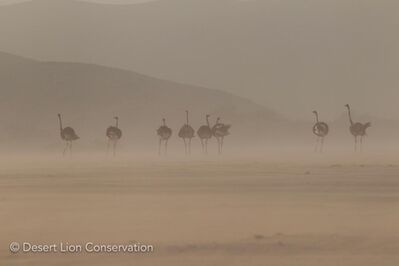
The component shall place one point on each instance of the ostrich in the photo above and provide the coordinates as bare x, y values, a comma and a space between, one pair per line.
68, 135
205, 133
114, 133
320, 129
357, 129
164, 133
220, 130
187, 133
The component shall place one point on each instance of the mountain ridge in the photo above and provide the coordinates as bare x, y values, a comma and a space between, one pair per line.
88, 96
287, 55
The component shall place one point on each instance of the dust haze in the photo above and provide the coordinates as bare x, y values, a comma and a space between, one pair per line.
258, 69
289, 55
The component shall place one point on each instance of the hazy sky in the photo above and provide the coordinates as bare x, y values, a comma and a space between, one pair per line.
95, 1
290, 55
119, 1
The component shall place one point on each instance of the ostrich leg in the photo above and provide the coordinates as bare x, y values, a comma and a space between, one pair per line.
185, 146
114, 147
202, 145
361, 144
189, 146
321, 144
65, 149
206, 146
159, 146
221, 145
166, 147
356, 144
108, 145
70, 148
316, 148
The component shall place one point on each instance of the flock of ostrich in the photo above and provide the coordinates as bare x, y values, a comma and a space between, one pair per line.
206, 132
186, 132
357, 129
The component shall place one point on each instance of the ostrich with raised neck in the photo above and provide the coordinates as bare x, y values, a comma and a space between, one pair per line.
114, 134
220, 130
205, 133
358, 130
320, 129
187, 133
68, 135
164, 133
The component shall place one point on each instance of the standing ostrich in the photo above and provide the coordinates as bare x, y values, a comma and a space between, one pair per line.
187, 133
357, 129
205, 133
114, 133
68, 135
320, 129
164, 133
220, 130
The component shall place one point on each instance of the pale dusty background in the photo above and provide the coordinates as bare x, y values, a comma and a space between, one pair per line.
333, 210
290, 55
263, 67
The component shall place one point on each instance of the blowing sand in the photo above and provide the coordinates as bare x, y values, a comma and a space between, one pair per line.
204, 211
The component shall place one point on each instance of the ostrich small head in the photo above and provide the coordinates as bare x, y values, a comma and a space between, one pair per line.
317, 116
116, 118
349, 113
60, 121
217, 120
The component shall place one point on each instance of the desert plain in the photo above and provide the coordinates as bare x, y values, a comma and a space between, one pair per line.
282, 210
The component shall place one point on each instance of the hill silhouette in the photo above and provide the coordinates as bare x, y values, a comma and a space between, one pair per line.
89, 96
292, 56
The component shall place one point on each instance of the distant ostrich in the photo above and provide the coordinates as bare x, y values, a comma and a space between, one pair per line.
187, 133
205, 133
320, 129
357, 129
114, 133
164, 133
220, 130
68, 135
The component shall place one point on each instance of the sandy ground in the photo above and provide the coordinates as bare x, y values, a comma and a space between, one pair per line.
203, 211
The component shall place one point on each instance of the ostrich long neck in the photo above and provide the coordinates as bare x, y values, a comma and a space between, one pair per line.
187, 118
117, 122
207, 121
164, 122
317, 117
350, 116
59, 119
